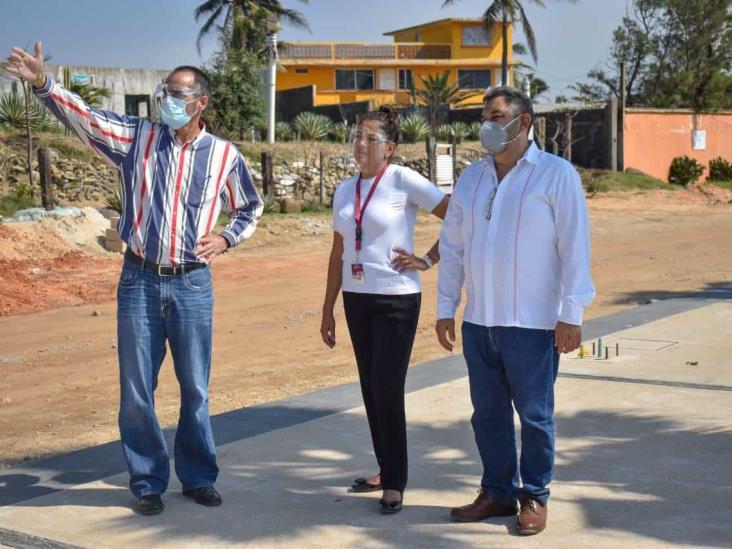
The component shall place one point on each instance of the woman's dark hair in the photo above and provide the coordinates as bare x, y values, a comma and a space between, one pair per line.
387, 117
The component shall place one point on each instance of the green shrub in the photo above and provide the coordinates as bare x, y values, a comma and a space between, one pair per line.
413, 128
684, 170
444, 133
474, 134
460, 130
311, 126
12, 111
340, 132
720, 170
594, 185
20, 199
283, 132
114, 202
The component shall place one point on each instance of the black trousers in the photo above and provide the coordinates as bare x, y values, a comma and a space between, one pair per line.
382, 329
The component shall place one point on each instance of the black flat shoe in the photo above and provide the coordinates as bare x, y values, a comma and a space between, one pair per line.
362, 484
152, 504
390, 507
206, 495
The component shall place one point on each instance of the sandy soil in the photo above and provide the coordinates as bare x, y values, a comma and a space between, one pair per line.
58, 369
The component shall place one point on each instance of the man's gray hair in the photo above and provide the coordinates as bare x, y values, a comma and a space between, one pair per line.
516, 99
200, 79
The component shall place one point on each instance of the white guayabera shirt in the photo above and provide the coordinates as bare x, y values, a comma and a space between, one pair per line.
529, 264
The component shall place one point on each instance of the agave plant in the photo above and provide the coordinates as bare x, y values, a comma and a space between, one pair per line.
460, 130
311, 126
12, 111
444, 133
474, 134
283, 131
413, 128
114, 202
340, 132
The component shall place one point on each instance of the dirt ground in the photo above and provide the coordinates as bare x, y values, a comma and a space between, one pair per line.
58, 361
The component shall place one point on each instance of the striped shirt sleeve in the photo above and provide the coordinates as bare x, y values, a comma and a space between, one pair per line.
108, 134
242, 202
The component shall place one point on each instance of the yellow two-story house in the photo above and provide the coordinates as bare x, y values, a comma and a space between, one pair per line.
347, 72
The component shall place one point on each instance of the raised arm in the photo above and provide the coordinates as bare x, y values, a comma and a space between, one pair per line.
108, 134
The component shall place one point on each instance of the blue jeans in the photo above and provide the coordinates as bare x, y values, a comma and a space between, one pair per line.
519, 366
151, 310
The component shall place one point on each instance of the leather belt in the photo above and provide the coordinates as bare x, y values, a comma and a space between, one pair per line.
163, 270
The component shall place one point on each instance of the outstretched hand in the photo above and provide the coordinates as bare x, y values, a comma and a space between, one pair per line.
24, 65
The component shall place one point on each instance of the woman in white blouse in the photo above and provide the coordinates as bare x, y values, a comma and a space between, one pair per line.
374, 213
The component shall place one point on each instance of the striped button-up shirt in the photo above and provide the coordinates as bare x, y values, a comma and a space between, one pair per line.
172, 192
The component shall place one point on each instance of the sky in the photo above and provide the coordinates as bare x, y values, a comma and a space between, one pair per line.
572, 38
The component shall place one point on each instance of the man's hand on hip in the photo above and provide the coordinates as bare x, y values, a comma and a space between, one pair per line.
567, 337
445, 329
210, 246
26, 66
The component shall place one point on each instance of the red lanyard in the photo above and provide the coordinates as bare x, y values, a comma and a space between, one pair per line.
357, 210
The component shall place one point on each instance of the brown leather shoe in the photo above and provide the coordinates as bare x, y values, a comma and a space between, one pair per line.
483, 507
532, 518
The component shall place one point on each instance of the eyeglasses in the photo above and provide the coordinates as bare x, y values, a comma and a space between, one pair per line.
184, 94
491, 200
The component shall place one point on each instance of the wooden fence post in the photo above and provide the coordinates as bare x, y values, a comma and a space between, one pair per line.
44, 169
322, 181
267, 176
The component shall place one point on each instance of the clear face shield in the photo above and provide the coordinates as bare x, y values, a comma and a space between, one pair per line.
368, 149
163, 91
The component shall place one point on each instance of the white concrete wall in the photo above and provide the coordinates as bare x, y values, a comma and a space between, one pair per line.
119, 82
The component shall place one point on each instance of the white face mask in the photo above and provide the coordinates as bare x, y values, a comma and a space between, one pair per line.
494, 137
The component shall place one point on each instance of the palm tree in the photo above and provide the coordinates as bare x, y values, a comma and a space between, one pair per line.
436, 91
242, 21
507, 11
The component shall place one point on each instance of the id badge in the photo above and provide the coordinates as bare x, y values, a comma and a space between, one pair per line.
357, 273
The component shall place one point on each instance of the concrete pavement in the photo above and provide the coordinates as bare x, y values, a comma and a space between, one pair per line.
643, 450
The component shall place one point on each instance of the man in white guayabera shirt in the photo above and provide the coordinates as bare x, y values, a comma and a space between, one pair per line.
517, 235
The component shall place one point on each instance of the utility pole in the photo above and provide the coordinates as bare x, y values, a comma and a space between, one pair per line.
273, 26
526, 85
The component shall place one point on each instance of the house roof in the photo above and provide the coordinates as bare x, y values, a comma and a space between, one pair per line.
430, 23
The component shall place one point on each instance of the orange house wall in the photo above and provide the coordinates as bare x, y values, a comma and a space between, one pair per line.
652, 140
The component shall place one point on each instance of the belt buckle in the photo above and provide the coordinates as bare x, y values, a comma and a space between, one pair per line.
160, 270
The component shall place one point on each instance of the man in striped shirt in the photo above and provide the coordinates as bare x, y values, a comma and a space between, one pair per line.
175, 180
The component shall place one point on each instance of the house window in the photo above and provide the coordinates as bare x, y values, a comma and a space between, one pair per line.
137, 105
301, 71
354, 79
405, 79
474, 79
476, 36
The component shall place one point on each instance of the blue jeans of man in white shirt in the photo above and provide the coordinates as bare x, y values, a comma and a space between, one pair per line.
512, 365
151, 310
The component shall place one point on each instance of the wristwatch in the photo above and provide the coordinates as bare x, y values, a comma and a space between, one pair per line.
427, 259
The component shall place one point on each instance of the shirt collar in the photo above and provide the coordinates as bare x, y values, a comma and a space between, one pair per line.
195, 140
531, 155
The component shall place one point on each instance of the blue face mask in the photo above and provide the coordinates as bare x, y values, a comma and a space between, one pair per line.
173, 112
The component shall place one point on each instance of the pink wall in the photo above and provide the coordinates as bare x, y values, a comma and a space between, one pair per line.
652, 138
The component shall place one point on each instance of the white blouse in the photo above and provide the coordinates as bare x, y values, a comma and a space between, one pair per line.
388, 222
